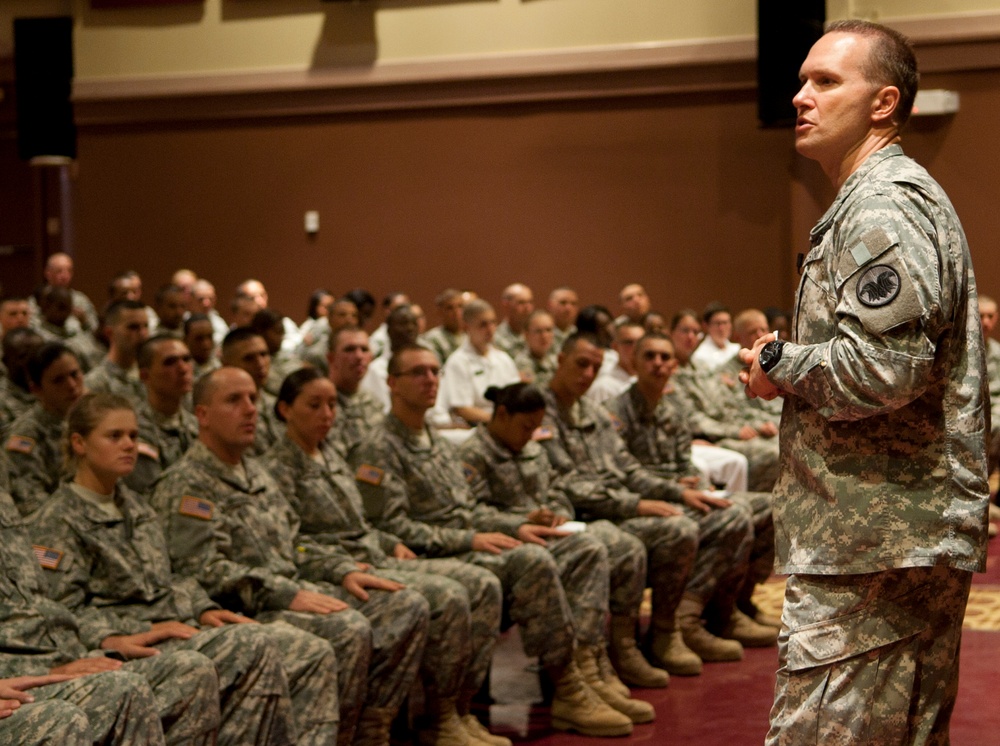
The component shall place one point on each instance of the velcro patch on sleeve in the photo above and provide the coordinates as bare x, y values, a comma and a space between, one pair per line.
196, 507
47, 558
542, 433
369, 474
145, 449
21, 444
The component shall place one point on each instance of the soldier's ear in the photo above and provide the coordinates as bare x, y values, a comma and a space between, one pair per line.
884, 105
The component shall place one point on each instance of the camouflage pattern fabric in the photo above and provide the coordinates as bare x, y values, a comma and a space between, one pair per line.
993, 369
14, 401
162, 441
505, 339
111, 377
33, 446
538, 371
357, 415
442, 341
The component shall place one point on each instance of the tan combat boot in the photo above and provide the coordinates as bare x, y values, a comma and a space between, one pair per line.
607, 671
636, 710
749, 633
703, 643
480, 733
447, 729
666, 645
373, 727
576, 707
633, 669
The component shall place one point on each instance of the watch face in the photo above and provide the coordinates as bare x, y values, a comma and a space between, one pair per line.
770, 354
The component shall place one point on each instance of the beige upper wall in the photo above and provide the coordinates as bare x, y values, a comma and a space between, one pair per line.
219, 36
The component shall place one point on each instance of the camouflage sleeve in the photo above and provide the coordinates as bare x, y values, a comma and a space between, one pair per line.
387, 504
30, 482
201, 547
890, 300
591, 498
700, 421
485, 515
67, 578
191, 595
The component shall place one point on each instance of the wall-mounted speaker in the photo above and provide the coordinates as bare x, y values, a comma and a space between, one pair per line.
43, 76
786, 30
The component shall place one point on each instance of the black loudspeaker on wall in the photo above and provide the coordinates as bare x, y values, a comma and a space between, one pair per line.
43, 74
786, 29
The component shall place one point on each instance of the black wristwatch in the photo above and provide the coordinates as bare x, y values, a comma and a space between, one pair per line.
770, 354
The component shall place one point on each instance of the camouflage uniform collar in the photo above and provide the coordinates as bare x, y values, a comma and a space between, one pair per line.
579, 415
45, 418
200, 454
858, 177
640, 406
412, 442
497, 451
93, 512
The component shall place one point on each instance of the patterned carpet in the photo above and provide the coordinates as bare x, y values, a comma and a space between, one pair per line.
982, 613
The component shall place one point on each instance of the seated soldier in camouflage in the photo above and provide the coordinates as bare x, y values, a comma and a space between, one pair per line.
199, 338
55, 308
692, 543
110, 567
166, 428
450, 335
715, 414
229, 526
748, 326
537, 362
564, 305
170, 304
41, 637
656, 431
510, 473
358, 412
246, 349
321, 488
34, 440
269, 324
126, 325
15, 396
413, 487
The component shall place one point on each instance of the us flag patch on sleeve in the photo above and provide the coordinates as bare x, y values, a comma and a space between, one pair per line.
145, 449
369, 474
20, 444
47, 558
542, 433
196, 507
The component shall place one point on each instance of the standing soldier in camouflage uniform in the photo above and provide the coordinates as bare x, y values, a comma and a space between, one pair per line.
509, 473
229, 526
126, 324
113, 571
656, 432
687, 551
166, 428
413, 487
715, 414
41, 637
34, 440
321, 488
880, 509
358, 412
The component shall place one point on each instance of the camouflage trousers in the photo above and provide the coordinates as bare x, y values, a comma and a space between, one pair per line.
448, 651
582, 560
671, 545
186, 689
626, 567
762, 457
114, 708
534, 599
311, 668
485, 603
392, 627
253, 690
869, 659
724, 540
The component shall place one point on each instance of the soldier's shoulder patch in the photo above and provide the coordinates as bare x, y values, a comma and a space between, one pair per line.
616, 422
369, 474
878, 286
21, 444
469, 471
542, 433
145, 449
197, 507
47, 557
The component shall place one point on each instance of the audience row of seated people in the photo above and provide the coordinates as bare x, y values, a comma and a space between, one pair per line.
269, 533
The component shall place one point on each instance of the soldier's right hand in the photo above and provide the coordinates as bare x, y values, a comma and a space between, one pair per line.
316, 603
494, 543
13, 694
87, 666
658, 508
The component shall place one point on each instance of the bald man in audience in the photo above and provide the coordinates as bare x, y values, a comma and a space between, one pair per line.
255, 291
203, 300
564, 305
634, 303
749, 326
358, 412
58, 273
517, 303
449, 336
